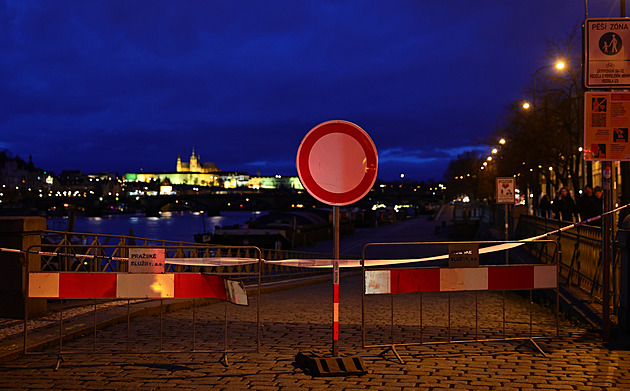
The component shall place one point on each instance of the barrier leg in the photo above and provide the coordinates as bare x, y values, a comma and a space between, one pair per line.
194, 311
59, 361
128, 325
448, 330
161, 324
94, 322
533, 342
393, 350
421, 324
224, 358
476, 315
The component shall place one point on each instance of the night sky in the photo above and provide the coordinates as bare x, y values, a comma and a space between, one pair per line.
124, 86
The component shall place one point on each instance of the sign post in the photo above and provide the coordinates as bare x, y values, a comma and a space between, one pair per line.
337, 164
606, 119
506, 194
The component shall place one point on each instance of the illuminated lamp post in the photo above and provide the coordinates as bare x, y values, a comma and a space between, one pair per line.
559, 65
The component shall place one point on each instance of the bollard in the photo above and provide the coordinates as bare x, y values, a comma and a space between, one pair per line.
623, 237
18, 233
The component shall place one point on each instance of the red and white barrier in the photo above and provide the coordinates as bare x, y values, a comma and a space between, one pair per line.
133, 286
461, 279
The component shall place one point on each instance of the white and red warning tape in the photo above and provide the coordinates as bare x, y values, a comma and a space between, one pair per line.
318, 263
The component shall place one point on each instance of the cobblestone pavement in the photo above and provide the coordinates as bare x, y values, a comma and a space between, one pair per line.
300, 320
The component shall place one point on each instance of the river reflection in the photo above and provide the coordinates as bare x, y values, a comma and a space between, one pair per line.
177, 226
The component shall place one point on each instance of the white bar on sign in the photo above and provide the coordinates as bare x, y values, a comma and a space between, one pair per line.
464, 279
43, 285
377, 282
150, 286
545, 277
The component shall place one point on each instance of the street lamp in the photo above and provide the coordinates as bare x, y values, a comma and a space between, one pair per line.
526, 105
559, 65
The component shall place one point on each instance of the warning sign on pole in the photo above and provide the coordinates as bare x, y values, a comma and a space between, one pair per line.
607, 53
506, 193
606, 123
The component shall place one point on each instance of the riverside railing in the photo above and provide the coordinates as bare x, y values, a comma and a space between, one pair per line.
64, 245
581, 262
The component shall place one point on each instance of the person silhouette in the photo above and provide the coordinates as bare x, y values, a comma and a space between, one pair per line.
613, 44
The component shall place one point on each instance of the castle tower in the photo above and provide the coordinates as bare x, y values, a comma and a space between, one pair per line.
194, 162
179, 163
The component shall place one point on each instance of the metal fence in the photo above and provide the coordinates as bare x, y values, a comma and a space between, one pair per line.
487, 277
96, 275
581, 262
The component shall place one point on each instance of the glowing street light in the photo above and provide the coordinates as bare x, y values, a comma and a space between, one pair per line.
559, 65
526, 105
495, 151
502, 141
489, 158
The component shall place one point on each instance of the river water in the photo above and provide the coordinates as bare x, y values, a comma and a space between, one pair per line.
177, 226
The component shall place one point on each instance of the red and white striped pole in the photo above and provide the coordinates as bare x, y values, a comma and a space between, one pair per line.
336, 223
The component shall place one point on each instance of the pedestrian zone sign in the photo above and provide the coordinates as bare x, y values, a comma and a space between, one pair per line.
506, 193
607, 52
606, 124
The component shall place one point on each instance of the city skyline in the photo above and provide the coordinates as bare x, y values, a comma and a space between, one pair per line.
117, 86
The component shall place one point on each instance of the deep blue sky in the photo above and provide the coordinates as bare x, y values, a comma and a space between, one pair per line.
128, 85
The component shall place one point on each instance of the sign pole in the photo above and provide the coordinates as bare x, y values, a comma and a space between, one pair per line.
506, 194
337, 164
606, 251
507, 232
336, 223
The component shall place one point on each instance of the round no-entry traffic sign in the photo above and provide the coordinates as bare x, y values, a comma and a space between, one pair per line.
337, 162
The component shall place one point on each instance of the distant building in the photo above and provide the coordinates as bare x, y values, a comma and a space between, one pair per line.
197, 173
275, 182
18, 175
194, 165
194, 173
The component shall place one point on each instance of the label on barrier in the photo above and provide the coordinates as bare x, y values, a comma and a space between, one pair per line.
146, 260
463, 255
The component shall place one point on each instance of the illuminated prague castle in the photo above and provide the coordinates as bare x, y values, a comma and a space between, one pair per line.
197, 173
195, 165
193, 173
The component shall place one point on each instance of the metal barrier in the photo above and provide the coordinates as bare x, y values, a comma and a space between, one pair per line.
103, 278
580, 263
441, 280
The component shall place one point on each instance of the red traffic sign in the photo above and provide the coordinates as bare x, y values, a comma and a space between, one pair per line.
337, 162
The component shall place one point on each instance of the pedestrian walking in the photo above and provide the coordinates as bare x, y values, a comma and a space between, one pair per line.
586, 204
544, 207
563, 206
